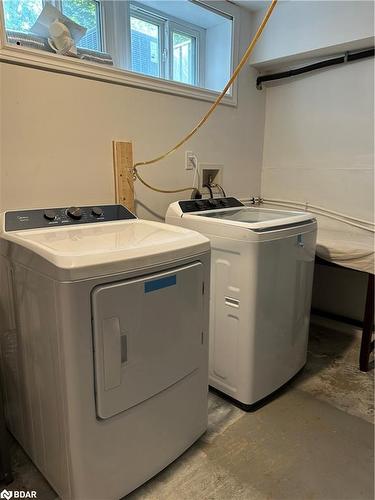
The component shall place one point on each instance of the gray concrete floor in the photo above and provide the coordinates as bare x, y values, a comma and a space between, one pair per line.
315, 441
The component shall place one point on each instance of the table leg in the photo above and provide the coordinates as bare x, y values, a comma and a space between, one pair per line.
368, 325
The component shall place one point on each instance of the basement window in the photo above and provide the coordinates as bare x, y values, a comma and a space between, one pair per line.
20, 17
182, 41
146, 42
184, 57
87, 14
165, 46
185, 42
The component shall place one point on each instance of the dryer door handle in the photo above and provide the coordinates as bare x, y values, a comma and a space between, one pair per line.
111, 353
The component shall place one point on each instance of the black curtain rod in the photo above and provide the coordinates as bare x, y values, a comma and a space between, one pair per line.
348, 57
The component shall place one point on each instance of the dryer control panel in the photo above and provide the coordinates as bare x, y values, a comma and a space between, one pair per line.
64, 216
209, 204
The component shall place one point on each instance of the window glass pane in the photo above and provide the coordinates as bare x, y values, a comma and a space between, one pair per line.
20, 15
183, 58
87, 14
145, 46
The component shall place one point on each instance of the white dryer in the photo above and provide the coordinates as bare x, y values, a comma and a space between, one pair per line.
262, 263
104, 344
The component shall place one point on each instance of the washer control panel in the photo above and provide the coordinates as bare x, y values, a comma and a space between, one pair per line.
209, 204
58, 217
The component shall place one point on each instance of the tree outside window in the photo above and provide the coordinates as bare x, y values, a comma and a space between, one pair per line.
20, 15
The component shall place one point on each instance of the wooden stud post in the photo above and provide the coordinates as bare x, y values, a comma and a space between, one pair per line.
123, 164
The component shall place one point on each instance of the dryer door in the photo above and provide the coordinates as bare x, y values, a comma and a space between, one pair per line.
147, 336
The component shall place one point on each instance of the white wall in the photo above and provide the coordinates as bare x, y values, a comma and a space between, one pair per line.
300, 26
57, 131
319, 139
319, 128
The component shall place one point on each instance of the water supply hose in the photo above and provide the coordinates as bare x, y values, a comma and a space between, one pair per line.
308, 206
203, 120
331, 214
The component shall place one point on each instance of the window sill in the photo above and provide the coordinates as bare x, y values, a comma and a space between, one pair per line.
69, 66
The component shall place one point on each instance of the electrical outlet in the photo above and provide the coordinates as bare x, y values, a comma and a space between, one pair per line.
190, 160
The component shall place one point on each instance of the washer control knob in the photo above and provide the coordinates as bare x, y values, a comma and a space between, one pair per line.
75, 213
212, 202
97, 211
50, 214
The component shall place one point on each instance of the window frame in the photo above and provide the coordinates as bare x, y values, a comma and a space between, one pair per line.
113, 15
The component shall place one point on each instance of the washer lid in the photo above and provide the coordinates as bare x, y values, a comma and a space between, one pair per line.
95, 249
257, 219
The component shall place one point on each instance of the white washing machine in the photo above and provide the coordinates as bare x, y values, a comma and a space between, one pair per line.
104, 344
262, 263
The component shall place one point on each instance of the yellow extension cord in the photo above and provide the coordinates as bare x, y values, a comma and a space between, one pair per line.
244, 59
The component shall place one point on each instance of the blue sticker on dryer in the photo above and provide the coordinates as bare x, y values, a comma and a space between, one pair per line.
152, 286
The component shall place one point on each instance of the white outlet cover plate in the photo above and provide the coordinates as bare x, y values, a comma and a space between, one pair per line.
188, 163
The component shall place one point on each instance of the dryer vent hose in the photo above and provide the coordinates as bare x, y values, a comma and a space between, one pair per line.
203, 120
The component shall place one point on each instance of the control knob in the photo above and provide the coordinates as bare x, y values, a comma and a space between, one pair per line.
97, 211
75, 213
200, 204
49, 214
